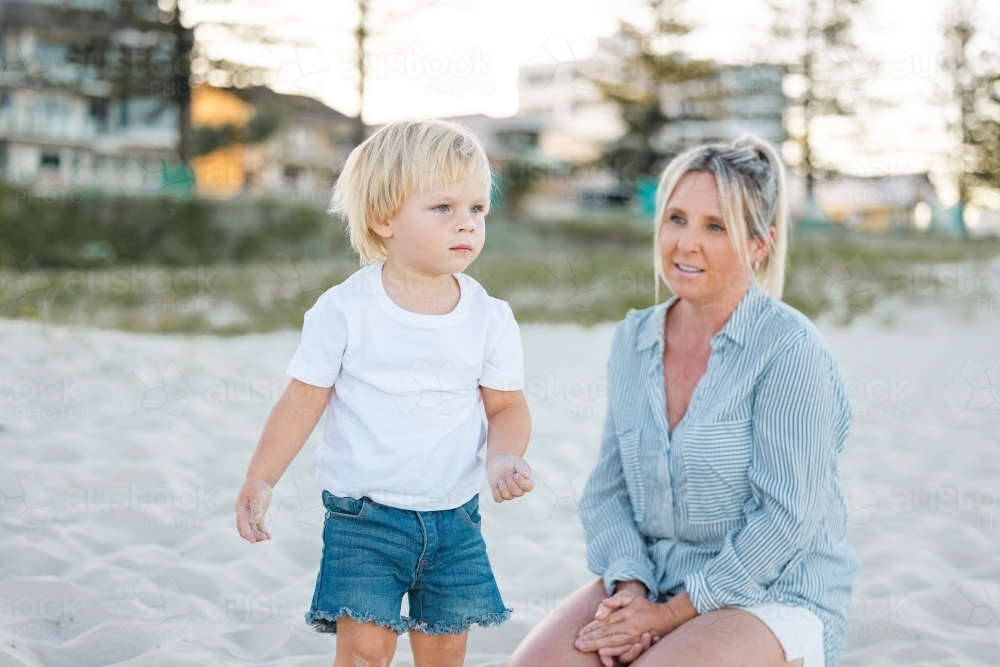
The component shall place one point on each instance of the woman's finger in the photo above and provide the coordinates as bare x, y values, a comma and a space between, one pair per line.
617, 650
612, 637
598, 624
613, 603
603, 625
631, 654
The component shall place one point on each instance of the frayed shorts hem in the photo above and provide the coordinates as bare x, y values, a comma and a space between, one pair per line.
325, 621
459, 628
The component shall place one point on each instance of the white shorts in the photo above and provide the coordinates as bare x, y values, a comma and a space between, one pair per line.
799, 631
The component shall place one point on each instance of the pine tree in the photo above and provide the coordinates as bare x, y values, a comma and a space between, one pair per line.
647, 60
829, 71
973, 72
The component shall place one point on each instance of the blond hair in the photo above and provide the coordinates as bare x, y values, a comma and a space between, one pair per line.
753, 196
399, 159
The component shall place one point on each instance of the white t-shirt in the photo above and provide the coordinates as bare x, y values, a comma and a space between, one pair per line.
405, 425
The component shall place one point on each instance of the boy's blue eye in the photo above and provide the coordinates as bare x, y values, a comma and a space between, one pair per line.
440, 206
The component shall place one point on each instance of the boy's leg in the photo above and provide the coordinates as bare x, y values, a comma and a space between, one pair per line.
363, 644
438, 650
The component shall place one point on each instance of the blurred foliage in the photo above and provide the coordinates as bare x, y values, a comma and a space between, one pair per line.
830, 71
648, 60
972, 69
195, 266
157, 230
262, 125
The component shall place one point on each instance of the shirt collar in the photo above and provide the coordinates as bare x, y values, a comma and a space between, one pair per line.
651, 330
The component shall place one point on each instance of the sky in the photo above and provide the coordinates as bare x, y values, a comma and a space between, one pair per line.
462, 56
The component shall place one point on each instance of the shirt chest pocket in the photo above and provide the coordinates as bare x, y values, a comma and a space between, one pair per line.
629, 447
716, 461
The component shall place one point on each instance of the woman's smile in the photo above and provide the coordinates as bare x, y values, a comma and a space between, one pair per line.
688, 269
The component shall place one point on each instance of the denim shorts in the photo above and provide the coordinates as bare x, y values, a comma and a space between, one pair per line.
374, 553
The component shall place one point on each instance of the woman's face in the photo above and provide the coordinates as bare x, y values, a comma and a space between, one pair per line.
699, 261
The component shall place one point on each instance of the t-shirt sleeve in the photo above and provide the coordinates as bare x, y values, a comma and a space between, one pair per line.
504, 366
321, 348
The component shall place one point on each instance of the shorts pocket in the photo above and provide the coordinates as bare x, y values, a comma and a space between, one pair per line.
470, 512
352, 508
716, 463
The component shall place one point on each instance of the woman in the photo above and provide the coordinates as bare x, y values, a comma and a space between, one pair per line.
713, 514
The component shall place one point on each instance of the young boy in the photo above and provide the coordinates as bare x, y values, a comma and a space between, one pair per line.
399, 356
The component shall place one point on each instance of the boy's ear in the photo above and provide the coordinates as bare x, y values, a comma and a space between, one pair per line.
381, 227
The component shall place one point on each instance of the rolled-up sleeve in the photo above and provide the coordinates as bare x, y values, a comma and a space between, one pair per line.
798, 415
616, 550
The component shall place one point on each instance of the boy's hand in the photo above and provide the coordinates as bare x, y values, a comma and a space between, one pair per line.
509, 476
251, 506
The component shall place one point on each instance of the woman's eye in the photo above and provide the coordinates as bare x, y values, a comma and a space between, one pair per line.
715, 227
677, 219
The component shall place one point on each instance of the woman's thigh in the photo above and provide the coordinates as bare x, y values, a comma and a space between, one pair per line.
550, 643
721, 638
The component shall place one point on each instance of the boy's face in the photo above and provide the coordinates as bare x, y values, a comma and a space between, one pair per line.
440, 230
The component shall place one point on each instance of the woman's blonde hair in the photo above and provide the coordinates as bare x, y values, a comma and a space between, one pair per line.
399, 159
753, 196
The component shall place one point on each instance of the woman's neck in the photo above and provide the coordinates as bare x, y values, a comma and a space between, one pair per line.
699, 321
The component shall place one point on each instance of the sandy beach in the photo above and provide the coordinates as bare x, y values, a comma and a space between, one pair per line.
122, 454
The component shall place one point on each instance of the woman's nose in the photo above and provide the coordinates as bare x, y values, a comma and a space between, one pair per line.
688, 239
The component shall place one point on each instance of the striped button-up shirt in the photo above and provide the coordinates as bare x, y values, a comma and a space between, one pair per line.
742, 503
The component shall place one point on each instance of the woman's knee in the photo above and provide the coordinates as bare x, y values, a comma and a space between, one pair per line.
723, 638
550, 642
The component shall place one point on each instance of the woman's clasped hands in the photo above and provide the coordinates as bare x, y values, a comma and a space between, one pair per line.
625, 625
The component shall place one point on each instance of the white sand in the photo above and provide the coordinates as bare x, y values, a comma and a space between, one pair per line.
118, 546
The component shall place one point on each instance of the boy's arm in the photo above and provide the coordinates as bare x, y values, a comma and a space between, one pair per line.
289, 425
506, 440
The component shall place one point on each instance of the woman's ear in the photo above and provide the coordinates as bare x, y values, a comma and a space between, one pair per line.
763, 246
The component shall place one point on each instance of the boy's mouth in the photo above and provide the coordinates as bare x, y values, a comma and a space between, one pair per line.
462, 248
